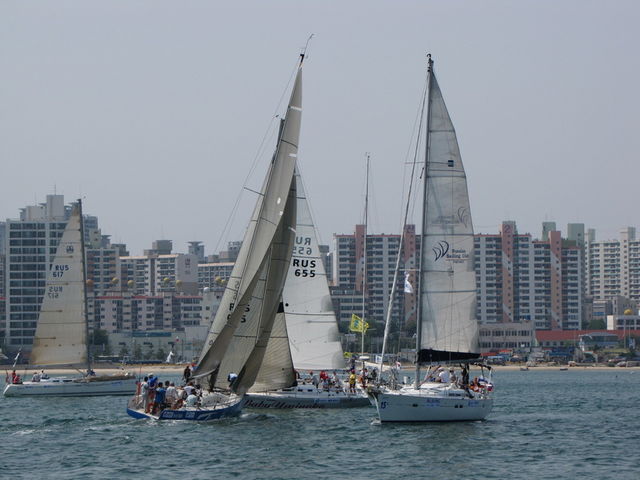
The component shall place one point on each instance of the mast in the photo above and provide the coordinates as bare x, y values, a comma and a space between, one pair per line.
364, 255
84, 285
424, 223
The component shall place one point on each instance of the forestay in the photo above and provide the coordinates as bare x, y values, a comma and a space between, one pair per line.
447, 284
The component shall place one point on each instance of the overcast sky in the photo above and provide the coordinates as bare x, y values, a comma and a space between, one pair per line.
154, 111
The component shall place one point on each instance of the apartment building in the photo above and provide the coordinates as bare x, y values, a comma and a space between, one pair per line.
613, 266
520, 279
380, 251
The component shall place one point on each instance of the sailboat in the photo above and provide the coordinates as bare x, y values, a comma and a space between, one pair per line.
305, 336
62, 330
447, 330
237, 339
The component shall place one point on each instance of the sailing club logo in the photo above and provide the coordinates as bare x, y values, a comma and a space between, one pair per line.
463, 216
69, 249
440, 249
460, 216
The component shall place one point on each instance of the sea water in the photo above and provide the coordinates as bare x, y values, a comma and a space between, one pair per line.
545, 425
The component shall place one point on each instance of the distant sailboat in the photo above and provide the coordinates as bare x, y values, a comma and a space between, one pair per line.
61, 338
238, 336
305, 336
447, 330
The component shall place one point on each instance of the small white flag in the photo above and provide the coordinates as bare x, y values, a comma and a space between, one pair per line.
407, 284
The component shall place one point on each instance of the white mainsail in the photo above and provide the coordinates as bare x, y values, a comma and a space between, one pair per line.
61, 333
449, 330
311, 322
250, 301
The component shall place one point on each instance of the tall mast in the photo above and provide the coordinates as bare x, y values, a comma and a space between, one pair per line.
84, 285
364, 254
424, 223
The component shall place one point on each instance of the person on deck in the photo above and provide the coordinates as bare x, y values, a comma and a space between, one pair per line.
444, 376
43, 375
171, 396
352, 382
465, 376
35, 377
186, 375
192, 399
144, 393
159, 400
189, 388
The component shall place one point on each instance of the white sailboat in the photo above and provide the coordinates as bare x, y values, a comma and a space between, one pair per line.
305, 335
239, 334
447, 331
62, 330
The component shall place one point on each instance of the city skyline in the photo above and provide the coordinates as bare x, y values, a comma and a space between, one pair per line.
161, 124
208, 250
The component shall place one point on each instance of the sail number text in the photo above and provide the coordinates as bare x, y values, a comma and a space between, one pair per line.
247, 309
58, 270
54, 291
303, 268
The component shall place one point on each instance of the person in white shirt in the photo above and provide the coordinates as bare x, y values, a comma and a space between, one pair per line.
171, 397
144, 393
444, 376
192, 400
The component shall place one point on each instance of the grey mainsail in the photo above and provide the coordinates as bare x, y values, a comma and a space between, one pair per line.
449, 330
246, 310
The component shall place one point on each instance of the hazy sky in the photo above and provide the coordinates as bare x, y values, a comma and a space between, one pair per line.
155, 110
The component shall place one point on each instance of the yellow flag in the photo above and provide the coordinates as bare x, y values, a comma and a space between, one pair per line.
357, 325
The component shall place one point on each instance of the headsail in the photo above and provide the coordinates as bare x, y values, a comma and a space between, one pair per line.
243, 301
311, 321
61, 333
305, 334
447, 284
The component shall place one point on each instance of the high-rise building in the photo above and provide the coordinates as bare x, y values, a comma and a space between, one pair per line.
197, 248
348, 270
520, 279
613, 266
214, 275
153, 274
31, 243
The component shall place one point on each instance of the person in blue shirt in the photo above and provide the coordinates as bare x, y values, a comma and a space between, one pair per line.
158, 403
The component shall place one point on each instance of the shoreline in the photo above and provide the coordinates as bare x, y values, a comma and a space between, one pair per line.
159, 369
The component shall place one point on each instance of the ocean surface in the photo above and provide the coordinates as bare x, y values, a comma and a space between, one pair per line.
545, 425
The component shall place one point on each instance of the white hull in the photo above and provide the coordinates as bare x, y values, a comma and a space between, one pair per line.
70, 387
305, 397
431, 404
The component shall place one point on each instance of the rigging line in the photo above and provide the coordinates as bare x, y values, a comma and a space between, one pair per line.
254, 164
406, 213
415, 136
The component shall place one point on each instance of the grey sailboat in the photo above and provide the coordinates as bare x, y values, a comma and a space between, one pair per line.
240, 331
